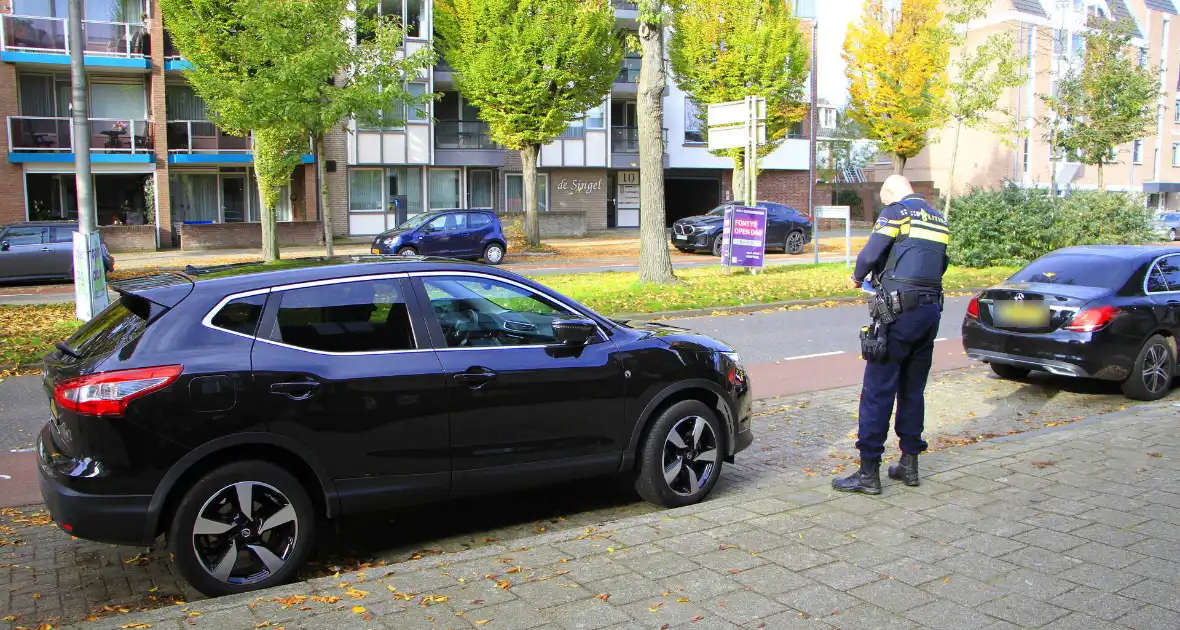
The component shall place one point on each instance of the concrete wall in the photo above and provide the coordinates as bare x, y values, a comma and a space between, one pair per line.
580, 191
129, 238
554, 222
248, 235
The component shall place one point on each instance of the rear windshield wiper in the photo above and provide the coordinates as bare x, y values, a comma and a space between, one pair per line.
65, 349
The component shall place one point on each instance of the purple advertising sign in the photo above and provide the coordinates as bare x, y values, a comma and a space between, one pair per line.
745, 236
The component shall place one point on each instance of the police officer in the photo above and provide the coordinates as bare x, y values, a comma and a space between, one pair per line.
906, 255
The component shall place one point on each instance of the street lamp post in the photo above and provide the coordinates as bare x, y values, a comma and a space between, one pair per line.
811, 140
90, 291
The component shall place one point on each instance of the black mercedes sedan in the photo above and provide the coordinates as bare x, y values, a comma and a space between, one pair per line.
231, 409
787, 229
1103, 312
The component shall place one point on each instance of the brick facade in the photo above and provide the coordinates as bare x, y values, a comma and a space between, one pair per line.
554, 222
248, 235
786, 187
128, 238
336, 149
158, 112
12, 179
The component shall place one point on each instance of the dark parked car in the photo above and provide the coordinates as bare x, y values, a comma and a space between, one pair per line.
40, 250
1104, 312
232, 408
474, 233
786, 229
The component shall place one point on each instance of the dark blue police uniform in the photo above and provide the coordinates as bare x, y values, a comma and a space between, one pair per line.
907, 253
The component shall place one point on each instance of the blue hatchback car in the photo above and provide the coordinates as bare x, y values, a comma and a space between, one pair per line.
454, 233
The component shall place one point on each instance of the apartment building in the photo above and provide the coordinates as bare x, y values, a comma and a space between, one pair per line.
1049, 35
159, 162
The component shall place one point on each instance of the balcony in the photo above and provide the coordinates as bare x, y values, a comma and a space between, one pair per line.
55, 135
203, 137
32, 34
626, 139
465, 143
629, 73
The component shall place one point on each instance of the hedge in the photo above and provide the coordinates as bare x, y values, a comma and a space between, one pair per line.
1013, 226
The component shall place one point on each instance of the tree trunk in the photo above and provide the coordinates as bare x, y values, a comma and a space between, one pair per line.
898, 164
655, 264
532, 222
950, 182
1100, 187
270, 235
739, 176
325, 208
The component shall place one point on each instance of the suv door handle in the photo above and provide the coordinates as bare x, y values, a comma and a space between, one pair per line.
301, 390
475, 380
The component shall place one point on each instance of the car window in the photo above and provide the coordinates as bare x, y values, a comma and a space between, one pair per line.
63, 235
448, 222
362, 316
1170, 270
1084, 270
27, 235
478, 220
482, 312
241, 315
1155, 280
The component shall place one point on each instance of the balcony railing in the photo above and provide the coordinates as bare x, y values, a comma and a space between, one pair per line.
573, 133
626, 139
202, 136
55, 135
51, 35
462, 134
629, 73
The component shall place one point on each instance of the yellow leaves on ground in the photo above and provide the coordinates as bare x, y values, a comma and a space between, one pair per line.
355, 593
137, 559
136, 625
504, 584
429, 600
324, 599
358, 609
28, 332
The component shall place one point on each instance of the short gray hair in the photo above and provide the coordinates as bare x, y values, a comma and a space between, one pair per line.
895, 188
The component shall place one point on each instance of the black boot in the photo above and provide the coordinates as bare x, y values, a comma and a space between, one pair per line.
866, 480
906, 470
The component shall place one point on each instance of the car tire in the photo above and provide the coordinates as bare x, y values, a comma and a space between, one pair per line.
407, 251
669, 443
493, 254
1009, 372
1172, 234
1151, 375
794, 243
716, 247
273, 540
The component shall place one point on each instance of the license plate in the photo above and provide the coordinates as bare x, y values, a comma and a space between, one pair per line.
682, 237
376, 251
1020, 314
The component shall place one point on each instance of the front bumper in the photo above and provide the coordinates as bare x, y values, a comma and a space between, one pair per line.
699, 239
117, 519
1096, 355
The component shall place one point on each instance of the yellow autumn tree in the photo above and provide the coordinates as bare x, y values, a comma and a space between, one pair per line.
896, 62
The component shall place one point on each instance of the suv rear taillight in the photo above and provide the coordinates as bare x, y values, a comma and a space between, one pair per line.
1092, 319
973, 308
107, 393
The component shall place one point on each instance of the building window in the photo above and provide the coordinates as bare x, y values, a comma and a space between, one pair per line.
1136, 152
405, 182
1142, 57
694, 122
595, 119
364, 190
1079, 45
515, 192
1176, 154
417, 112
442, 188
411, 16
1026, 156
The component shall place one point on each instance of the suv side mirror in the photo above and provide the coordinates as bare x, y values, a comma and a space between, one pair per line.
4, 245
574, 331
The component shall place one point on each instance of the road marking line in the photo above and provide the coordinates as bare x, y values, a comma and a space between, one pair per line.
22, 450
940, 339
5, 477
812, 356
16, 294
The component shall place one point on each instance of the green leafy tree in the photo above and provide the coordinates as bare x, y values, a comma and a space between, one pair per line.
979, 76
290, 72
1104, 100
725, 50
531, 67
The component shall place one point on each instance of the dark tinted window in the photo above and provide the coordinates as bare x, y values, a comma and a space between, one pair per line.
478, 220
1084, 270
1170, 269
1155, 280
27, 235
116, 326
241, 315
364, 316
63, 235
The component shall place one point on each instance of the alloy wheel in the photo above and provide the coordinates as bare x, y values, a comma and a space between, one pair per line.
717, 246
690, 455
1172, 234
794, 243
1157, 369
245, 532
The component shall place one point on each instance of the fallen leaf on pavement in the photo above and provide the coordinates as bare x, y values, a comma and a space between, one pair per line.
602, 596
683, 600
1154, 454
325, 599
136, 625
137, 559
1041, 465
356, 593
655, 607
358, 609
504, 584
481, 622
427, 600
288, 602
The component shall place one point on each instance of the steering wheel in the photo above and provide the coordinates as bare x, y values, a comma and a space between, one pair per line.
466, 322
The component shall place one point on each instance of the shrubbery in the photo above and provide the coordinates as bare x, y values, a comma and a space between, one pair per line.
1013, 226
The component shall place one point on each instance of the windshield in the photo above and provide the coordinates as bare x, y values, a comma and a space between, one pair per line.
719, 211
1104, 272
1168, 217
415, 221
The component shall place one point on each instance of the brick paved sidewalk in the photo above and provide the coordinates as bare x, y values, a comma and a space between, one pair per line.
1071, 527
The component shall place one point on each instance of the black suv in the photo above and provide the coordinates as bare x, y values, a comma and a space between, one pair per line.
232, 408
786, 229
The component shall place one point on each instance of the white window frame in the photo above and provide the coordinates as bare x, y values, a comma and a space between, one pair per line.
1137, 152
1176, 154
